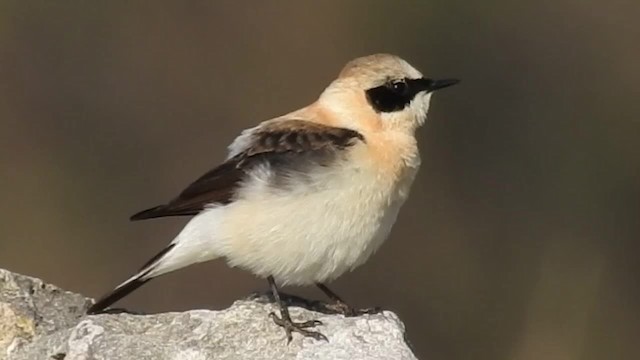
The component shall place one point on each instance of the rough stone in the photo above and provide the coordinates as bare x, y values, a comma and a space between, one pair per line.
39, 321
29, 308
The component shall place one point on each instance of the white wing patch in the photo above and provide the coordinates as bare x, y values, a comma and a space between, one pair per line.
242, 142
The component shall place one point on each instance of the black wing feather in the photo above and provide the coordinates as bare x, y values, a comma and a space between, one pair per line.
274, 144
216, 186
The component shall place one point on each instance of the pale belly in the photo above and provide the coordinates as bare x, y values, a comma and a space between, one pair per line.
324, 222
311, 236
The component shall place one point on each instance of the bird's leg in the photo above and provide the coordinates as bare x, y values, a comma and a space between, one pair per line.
285, 321
341, 307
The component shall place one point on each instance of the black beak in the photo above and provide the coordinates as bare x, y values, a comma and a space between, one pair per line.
430, 85
441, 84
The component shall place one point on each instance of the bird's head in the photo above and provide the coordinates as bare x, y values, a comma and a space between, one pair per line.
381, 92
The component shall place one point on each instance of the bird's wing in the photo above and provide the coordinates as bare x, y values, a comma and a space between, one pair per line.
283, 146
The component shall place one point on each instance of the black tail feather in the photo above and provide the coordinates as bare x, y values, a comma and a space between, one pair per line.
131, 285
117, 294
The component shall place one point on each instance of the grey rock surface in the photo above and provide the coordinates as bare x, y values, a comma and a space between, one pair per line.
39, 321
29, 308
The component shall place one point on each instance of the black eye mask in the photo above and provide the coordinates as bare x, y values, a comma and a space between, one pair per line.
397, 94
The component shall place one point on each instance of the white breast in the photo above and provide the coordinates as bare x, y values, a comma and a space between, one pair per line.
315, 232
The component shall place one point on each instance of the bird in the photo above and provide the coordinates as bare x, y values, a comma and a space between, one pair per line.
305, 197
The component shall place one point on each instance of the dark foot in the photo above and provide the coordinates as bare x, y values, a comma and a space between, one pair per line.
342, 308
289, 327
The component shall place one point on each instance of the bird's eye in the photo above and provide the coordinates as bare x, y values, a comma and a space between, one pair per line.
393, 95
399, 86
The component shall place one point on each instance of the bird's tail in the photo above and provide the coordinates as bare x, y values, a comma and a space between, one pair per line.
131, 284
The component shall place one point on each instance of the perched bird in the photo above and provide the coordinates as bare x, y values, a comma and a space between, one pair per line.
305, 197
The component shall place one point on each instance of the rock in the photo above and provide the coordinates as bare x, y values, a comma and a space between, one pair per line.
39, 321
29, 308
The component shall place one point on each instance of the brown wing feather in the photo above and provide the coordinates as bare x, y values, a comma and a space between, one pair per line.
274, 143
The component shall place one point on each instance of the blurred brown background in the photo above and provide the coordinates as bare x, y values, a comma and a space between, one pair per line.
520, 238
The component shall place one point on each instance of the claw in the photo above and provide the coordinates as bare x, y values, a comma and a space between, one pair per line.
289, 327
308, 324
348, 311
